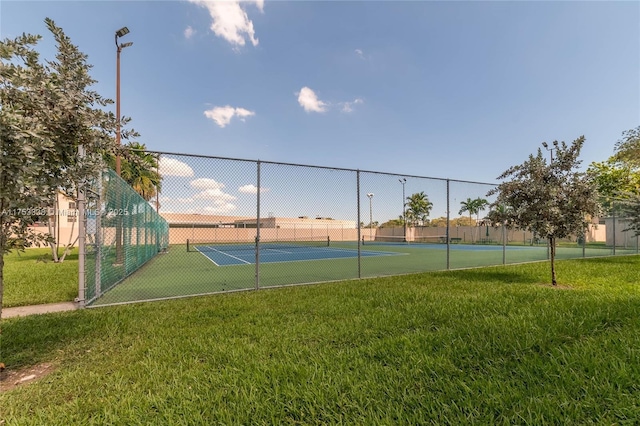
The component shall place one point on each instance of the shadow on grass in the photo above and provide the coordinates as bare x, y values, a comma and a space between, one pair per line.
491, 275
36, 338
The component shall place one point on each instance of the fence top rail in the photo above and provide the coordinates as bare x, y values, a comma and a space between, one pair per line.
246, 160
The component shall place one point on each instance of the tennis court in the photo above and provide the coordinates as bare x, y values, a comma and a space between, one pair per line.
275, 252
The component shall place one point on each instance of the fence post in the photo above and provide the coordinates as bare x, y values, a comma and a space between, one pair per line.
358, 221
504, 243
98, 238
258, 228
447, 232
82, 217
613, 211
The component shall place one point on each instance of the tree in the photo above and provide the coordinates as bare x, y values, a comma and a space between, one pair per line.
393, 223
418, 209
48, 113
631, 208
472, 207
139, 169
628, 148
552, 199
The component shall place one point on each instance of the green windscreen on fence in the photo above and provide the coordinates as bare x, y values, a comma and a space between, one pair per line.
123, 232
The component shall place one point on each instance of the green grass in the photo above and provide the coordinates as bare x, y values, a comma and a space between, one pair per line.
484, 346
31, 278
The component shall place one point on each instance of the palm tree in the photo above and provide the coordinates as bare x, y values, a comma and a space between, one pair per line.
467, 206
140, 170
474, 206
418, 208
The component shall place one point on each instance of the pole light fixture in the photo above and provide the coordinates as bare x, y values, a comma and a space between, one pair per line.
546, 146
403, 181
370, 195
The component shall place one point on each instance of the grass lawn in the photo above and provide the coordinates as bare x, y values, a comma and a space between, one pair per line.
488, 346
31, 278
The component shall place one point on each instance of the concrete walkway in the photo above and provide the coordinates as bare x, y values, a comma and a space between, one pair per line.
20, 311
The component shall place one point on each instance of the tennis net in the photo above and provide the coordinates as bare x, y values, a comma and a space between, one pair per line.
200, 245
401, 240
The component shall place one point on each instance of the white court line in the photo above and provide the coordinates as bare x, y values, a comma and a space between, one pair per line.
276, 250
210, 259
226, 254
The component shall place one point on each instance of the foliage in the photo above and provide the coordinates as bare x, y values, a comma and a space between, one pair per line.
501, 215
393, 223
139, 169
628, 148
441, 222
631, 209
473, 206
551, 199
48, 113
418, 209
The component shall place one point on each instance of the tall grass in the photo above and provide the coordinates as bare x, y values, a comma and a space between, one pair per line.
487, 346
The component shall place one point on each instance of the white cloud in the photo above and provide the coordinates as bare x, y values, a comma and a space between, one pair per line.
189, 32
172, 167
219, 208
360, 53
205, 183
223, 115
251, 189
348, 106
310, 102
230, 21
214, 194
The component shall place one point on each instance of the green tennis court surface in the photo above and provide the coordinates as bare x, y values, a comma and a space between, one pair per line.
180, 273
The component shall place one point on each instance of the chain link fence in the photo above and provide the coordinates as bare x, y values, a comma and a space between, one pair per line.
230, 225
122, 232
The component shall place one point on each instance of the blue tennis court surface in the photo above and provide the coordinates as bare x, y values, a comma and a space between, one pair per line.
235, 256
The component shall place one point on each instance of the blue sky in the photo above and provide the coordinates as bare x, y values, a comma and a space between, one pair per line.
461, 90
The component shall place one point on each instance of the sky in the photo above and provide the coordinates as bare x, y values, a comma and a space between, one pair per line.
459, 90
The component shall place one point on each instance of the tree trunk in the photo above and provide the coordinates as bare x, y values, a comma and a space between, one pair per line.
3, 240
52, 230
552, 247
70, 244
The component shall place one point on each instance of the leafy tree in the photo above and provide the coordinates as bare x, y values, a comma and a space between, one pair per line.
628, 149
393, 223
438, 222
631, 208
614, 179
47, 113
462, 221
552, 199
418, 209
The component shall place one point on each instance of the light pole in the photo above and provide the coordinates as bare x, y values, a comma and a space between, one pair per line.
546, 146
120, 33
404, 218
370, 195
